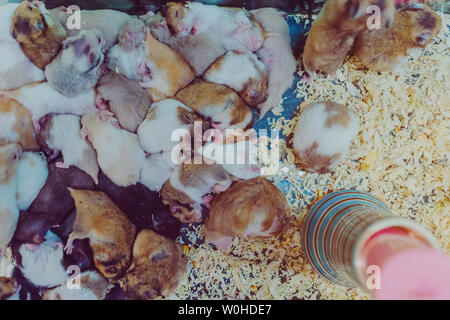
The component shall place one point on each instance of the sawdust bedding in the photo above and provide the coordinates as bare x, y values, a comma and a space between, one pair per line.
400, 155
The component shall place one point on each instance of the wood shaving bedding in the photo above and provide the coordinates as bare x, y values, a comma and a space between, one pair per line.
400, 155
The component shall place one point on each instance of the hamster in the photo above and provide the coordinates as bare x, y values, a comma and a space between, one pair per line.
42, 264
38, 32
41, 99
199, 50
189, 186
234, 26
163, 118
248, 209
143, 207
76, 69
110, 233
126, 56
16, 70
32, 173
323, 135
386, 49
16, 125
164, 71
9, 211
157, 269
237, 153
119, 153
53, 203
277, 56
62, 133
8, 288
92, 287
157, 169
126, 99
244, 73
108, 22
333, 32
217, 103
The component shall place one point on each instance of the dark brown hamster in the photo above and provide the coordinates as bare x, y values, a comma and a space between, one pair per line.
157, 268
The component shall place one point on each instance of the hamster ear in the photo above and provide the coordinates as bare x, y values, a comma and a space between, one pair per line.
356, 8
422, 38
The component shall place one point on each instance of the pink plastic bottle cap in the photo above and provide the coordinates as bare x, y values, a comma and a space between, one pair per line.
415, 274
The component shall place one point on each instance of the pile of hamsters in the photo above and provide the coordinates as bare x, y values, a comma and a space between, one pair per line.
90, 194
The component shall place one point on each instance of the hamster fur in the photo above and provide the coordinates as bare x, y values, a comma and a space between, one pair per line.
387, 49
163, 118
244, 73
248, 209
323, 135
92, 287
32, 173
63, 134
164, 71
38, 32
126, 56
76, 69
41, 99
126, 99
110, 233
333, 32
157, 269
277, 56
16, 125
9, 211
217, 103
119, 153
42, 264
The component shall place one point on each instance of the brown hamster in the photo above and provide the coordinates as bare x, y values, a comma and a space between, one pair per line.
189, 186
76, 69
8, 287
110, 233
39, 34
217, 103
16, 125
125, 98
164, 71
242, 72
386, 49
157, 268
248, 209
332, 34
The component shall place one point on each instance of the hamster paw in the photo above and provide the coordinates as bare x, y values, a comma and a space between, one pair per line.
69, 246
61, 165
206, 200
